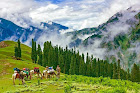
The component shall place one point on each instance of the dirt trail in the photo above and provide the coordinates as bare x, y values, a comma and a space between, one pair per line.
6, 65
2, 44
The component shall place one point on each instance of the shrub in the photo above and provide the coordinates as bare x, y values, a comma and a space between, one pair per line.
67, 88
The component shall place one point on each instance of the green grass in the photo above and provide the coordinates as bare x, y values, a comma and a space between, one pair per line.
67, 83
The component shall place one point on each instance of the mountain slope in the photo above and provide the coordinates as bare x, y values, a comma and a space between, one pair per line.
10, 31
118, 38
66, 83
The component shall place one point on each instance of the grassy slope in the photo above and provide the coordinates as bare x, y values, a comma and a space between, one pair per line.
66, 82
7, 63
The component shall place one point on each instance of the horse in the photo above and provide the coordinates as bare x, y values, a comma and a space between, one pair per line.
27, 71
33, 72
46, 74
19, 75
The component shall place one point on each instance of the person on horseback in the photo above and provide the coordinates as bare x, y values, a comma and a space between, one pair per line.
47, 68
58, 71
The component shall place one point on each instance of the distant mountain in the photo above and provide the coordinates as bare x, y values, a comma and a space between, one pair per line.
11, 31
51, 26
92, 32
119, 37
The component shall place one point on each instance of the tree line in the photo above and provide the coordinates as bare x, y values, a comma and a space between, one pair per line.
71, 62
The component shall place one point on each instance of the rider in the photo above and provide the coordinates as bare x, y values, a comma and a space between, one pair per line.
58, 71
47, 68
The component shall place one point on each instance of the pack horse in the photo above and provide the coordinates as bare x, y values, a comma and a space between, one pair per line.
18, 74
35, 71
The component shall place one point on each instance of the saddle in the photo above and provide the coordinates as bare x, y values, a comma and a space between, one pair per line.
17, 75
17, 69
36, 70
51, 71
26, 70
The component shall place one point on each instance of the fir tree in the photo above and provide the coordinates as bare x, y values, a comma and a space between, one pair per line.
135, 73
16, 52
38, 49
128, 75
82, 67
32, 52
93, 67
35, 53
118, 70
39, 52
72, 67
19, 49
45, 55
114, 71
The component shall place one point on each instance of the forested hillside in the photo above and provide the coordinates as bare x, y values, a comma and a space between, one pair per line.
71, 62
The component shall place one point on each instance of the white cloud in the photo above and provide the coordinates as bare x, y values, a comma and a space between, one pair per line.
76, 14
81, 14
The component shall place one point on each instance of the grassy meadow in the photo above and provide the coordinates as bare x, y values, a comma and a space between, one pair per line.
66, 83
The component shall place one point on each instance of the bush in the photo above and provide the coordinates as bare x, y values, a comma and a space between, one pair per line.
67, 88
115, 90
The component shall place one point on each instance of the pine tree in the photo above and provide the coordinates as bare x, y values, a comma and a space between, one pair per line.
97, 69
45, 55
105, 69
102, 68
118, 70
135, 73
35, 52
110, 70
82, 67
39, 52
128, 74
19, 49
72, 66
16, 52
32, 52
114, 71
61, 60
77, 63
87, 65
38, 49
40, 58
93, 67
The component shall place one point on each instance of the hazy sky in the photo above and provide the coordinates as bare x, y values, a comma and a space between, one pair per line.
76, 14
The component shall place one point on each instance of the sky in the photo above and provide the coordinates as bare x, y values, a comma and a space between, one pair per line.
75, 14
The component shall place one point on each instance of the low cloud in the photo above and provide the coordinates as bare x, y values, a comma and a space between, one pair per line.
76, 14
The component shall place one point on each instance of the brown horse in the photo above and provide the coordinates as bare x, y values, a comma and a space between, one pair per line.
19, 75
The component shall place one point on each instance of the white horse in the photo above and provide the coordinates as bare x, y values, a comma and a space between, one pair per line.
19, 75
38, 74
45, 74
48, 74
